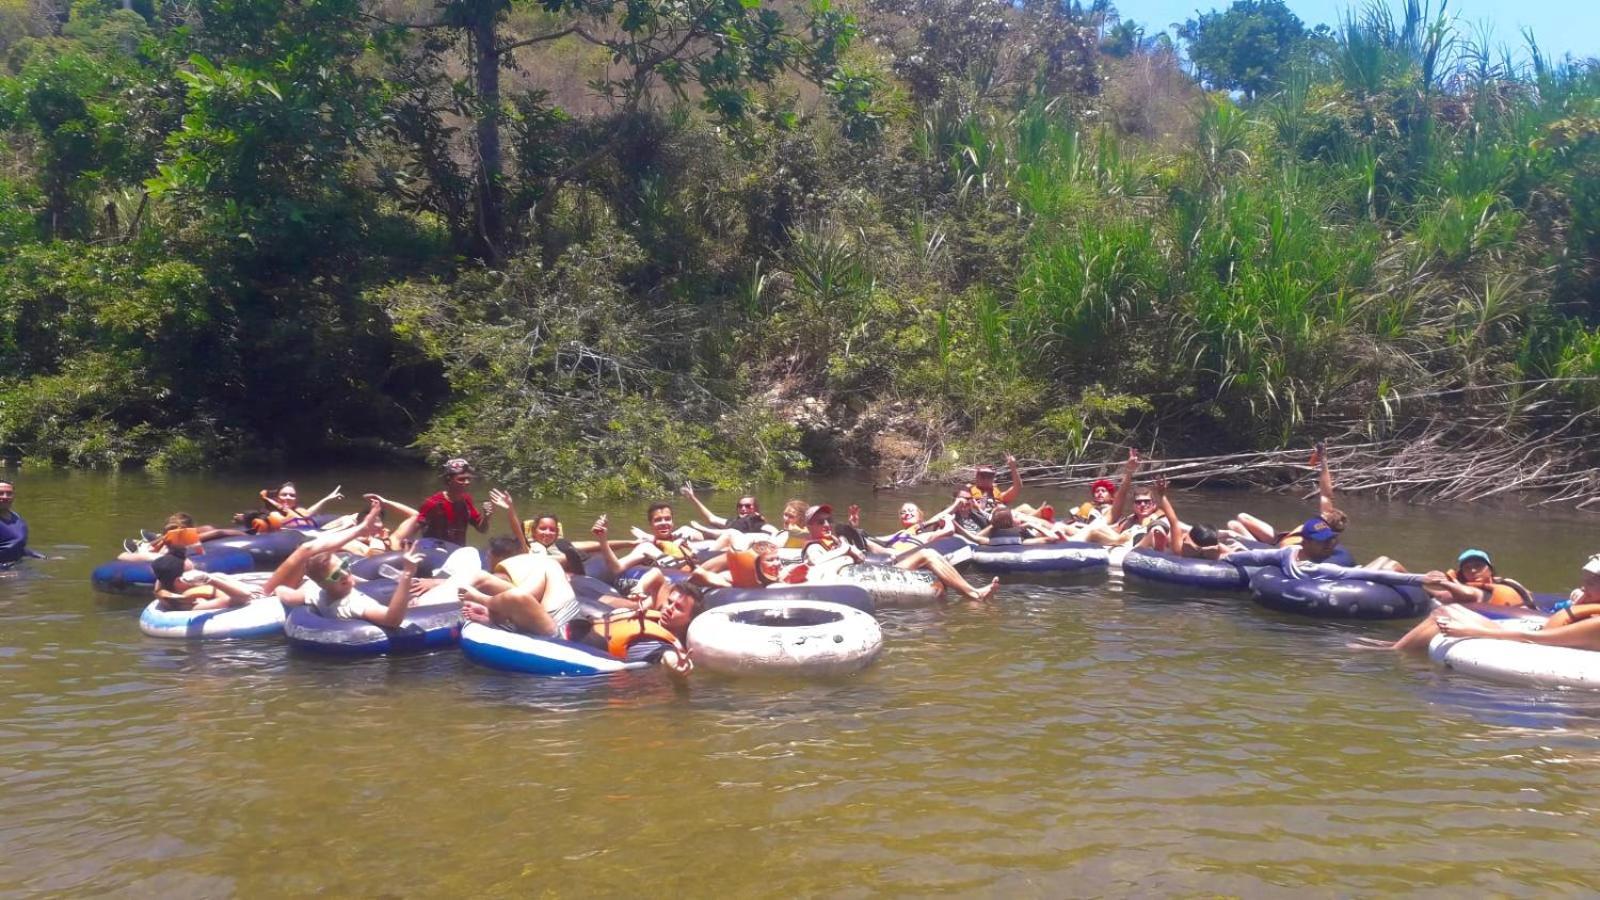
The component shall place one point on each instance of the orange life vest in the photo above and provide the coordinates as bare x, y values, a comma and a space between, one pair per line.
198, 592
178, 537
626, 629
1499, 593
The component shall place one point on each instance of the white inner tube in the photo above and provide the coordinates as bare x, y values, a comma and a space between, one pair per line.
260, 618
1515, 662
889, 585
785, 637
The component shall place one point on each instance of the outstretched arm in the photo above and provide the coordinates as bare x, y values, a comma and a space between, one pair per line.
1009, 495
335, 494
503, 500
711, 518
1179, 536
400, 601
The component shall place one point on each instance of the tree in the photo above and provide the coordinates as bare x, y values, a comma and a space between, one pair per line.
1244, 48
716, 49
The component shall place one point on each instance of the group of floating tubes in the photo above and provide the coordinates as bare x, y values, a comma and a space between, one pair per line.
812, 629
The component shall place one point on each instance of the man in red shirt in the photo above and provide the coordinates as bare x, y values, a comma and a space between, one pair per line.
446, 515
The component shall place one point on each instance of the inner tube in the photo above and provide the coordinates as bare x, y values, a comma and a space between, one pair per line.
1064, 556
1514, 662
257, 619
1348, 599
1165, 568
842, 594
510, 651
890, 586
136, 579
785, 637
432, 621
267, 551
434, 553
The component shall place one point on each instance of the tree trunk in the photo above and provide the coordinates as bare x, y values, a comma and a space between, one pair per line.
491, 226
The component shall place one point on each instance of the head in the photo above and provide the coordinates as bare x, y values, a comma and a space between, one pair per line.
1102, 491
168, 567
794, 513
1204, 536
660, 515
983, 476
457, 474
178, 520
1590, 583
910, 515
8, 493
1317, 539
287, 494
1144, 502
501, 549
747, 506
769, 568
544, 528
683, 603
1474, 566
1003, 519
331, 572
819, 521
963, 501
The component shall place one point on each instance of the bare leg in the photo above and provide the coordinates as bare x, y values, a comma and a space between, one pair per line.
946, 573
1384, 562
1252, 526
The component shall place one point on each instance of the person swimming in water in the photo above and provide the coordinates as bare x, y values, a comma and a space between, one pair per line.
13, 530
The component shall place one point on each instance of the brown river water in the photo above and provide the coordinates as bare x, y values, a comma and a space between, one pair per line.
1074, 739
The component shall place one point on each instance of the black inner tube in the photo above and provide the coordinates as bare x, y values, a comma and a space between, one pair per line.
800, 617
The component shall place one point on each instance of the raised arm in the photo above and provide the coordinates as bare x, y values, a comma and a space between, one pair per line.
1324, 482
711, 518
1119, 504
503, 500
335, 494
1179, 537
1009, 495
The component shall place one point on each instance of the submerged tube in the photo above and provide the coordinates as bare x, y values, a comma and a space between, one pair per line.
785, 637
136, 579
1165, 568
1345, 599
1065, 556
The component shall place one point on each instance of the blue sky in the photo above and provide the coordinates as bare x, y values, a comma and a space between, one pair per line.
1561, 26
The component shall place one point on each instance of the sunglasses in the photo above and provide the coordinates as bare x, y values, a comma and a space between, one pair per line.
1145, 500
747, 506
338, 573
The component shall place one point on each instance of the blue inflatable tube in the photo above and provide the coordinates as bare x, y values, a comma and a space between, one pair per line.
266, 550
1065, 556
425, 627
1207, 574
509, 651
434, 553
1347, 599
136, 579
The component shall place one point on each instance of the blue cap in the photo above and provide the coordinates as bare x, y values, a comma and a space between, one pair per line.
1474, 554
1316, 529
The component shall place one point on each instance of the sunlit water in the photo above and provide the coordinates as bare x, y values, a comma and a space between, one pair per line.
1070, 739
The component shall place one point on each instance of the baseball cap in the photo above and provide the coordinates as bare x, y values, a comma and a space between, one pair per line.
818, 510
1316, 529
1474, 554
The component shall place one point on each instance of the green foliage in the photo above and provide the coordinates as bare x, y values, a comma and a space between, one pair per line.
1246, 47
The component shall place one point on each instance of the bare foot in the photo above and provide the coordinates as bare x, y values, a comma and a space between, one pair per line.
988, 593
1367, 643
475, 612
470, 594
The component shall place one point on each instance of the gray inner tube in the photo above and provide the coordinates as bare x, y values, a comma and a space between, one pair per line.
792, 617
